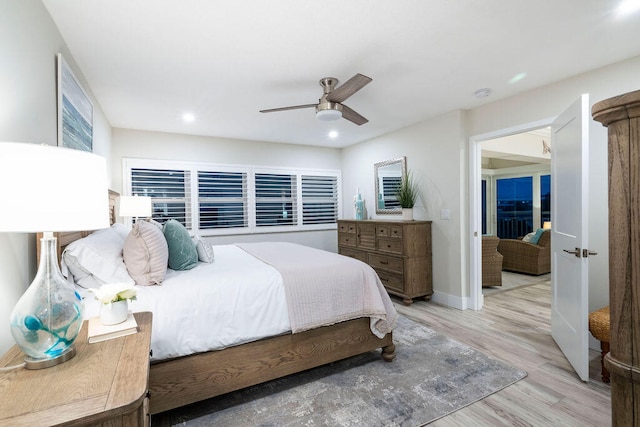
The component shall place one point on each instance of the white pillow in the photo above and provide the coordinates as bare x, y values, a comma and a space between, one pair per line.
97, 259
204, 248
528, 237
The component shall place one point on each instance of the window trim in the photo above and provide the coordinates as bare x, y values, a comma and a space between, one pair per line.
132, 163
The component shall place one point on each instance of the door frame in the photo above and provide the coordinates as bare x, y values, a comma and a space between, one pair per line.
476, 298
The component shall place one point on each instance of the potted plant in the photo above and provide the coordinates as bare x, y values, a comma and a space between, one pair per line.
407, 194
114, 298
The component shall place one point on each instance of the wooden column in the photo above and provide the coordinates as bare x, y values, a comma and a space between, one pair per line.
621, 115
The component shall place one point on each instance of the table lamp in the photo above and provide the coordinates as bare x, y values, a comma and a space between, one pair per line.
49, 189
134, 207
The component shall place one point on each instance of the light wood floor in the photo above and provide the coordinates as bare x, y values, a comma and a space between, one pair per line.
514, 327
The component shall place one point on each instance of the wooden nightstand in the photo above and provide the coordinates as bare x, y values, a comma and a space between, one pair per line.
105, 383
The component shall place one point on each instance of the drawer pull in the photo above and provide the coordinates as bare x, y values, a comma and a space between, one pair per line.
384, 262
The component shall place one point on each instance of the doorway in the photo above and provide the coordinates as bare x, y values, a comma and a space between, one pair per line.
476, 297
516, 202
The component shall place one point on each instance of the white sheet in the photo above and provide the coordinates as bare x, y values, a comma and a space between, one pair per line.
235, 299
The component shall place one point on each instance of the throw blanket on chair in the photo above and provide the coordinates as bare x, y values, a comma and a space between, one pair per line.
323, 288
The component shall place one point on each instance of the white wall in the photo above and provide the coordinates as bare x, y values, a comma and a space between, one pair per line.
434, 151
166, 146
29, 42
438, 149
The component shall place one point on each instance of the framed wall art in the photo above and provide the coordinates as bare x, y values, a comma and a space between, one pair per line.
75, 110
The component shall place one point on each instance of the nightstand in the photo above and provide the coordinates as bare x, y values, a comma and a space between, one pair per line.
106, 383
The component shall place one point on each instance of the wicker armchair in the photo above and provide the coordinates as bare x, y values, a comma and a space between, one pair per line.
528, 258
491, 262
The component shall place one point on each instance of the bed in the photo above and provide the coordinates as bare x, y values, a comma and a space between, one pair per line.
178, 379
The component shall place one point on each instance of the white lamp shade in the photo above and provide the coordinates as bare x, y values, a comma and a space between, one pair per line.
135, 206
49, 188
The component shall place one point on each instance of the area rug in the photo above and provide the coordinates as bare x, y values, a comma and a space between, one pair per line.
430, 377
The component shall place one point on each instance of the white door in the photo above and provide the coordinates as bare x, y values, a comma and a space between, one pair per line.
569, 238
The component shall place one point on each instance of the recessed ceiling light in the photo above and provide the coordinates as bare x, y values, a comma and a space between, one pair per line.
188, 117
482, 93
627, 7
333, 134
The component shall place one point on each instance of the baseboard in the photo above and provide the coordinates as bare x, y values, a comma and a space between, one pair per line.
452, 301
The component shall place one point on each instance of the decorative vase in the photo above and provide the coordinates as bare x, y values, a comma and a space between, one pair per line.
359, 207
114, 313
407, 214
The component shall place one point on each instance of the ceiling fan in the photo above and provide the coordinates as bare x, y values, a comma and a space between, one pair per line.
330, 106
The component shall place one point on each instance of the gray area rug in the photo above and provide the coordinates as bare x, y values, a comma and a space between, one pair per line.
430, 377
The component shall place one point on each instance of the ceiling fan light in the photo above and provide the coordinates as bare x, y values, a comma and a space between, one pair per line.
328, 115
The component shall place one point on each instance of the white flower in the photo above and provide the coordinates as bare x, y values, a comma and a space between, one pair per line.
112, 292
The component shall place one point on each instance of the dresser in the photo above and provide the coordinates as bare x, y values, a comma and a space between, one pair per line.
105, 384
399, 251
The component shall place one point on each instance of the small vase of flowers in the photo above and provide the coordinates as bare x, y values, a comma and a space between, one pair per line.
114, 298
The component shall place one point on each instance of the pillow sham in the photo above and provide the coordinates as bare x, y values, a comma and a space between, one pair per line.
146, 254
204, 249
182, 251
528, 237
97, 259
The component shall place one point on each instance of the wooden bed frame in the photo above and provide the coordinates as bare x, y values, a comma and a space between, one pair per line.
189, 379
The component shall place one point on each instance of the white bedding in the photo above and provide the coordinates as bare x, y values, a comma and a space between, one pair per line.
235, 299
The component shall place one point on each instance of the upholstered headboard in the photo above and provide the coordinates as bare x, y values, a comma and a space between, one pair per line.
67, 237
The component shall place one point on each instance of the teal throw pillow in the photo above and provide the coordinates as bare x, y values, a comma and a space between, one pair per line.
536, 237
182, 251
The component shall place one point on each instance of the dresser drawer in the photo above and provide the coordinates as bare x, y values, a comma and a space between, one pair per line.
388, 263
352, 253
390, 245
347, 227
394, 231
347, 239
391, 281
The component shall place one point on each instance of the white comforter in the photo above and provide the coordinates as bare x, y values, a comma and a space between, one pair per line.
235, 299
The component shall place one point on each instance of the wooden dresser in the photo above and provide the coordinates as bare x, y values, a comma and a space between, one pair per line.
399, 251
105, 384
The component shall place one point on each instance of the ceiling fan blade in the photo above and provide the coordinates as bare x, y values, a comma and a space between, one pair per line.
352, 116
348, 88
295, 107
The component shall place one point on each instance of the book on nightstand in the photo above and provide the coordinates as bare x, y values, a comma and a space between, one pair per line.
98, 332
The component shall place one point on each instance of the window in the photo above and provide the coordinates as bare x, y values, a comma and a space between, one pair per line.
514, 206
220, 199
169, 190
275, 199
545, 199
319, 199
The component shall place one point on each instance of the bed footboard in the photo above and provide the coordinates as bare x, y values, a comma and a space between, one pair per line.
190, 379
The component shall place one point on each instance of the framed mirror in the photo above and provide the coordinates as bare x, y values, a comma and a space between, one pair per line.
388, 175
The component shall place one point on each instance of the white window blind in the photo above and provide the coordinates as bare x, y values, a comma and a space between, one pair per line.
222, 199
319, 199
169, 190
275, 199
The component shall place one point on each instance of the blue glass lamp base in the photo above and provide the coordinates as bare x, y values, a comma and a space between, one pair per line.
34, 363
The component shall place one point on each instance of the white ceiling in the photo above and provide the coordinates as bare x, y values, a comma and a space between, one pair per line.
149, 61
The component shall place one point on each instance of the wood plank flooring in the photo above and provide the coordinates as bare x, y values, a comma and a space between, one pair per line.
514, 327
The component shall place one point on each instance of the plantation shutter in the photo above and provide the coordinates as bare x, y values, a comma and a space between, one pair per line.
319, 199
169, 190
275, 199
222, 199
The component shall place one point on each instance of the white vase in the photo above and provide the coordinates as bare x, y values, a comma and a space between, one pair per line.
114, 313
407, 214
